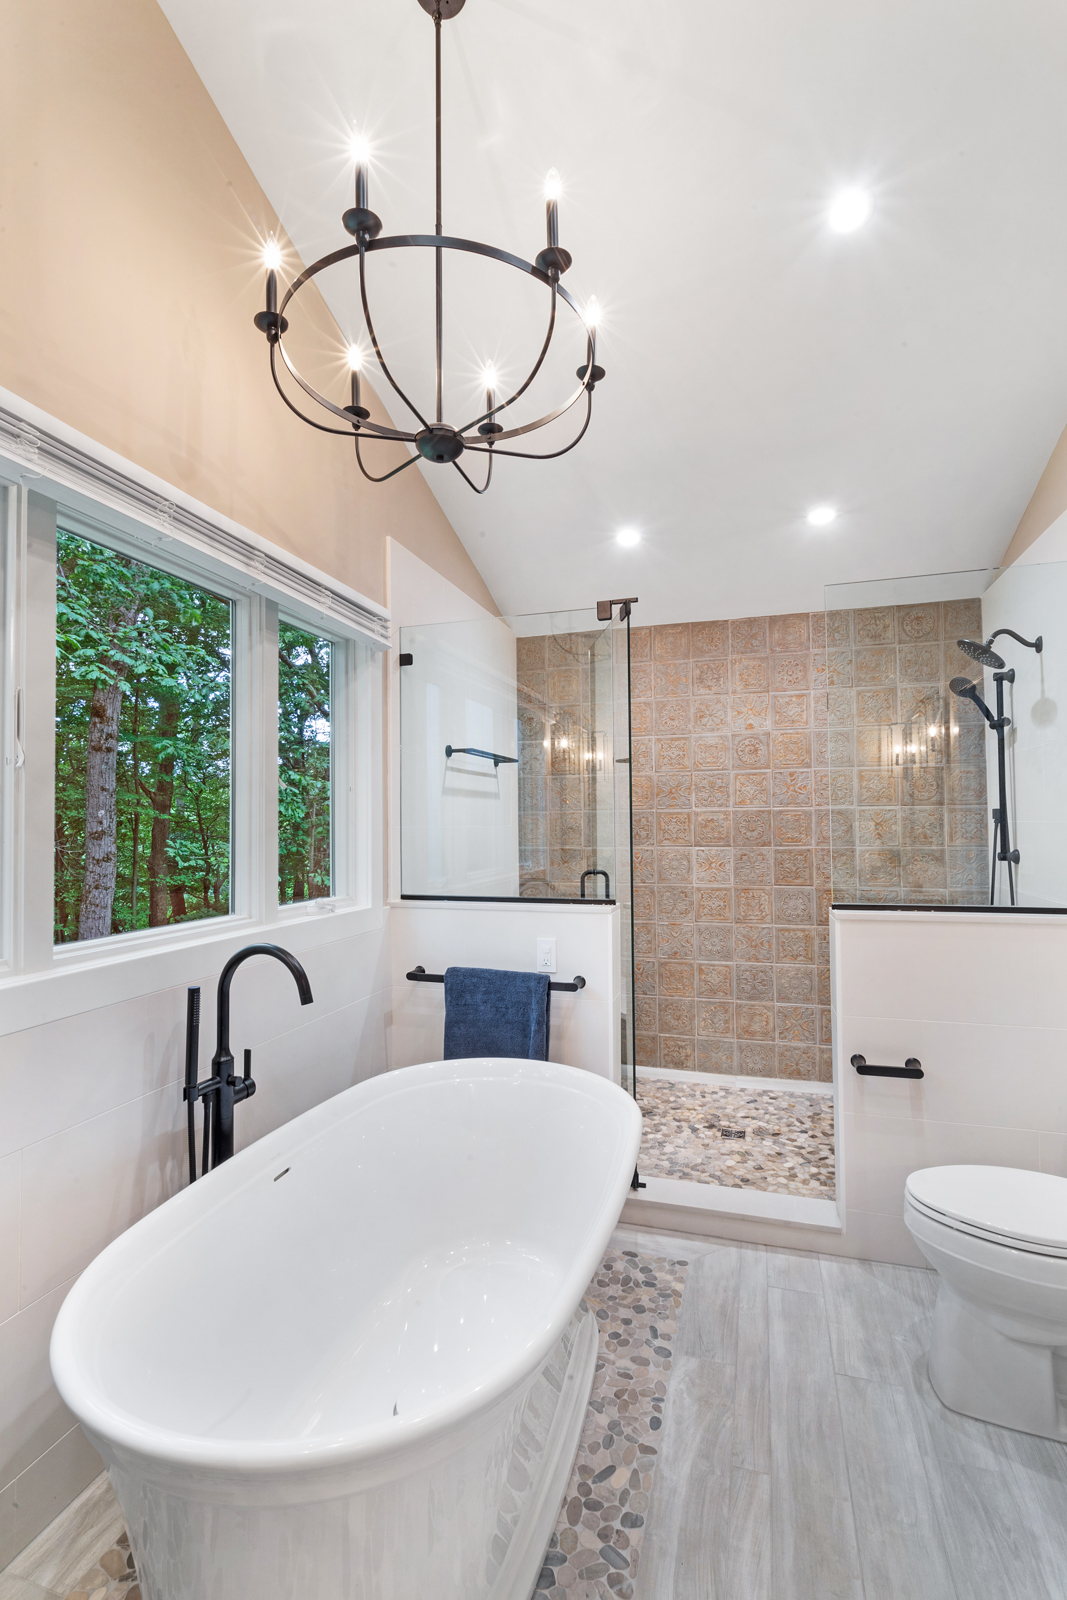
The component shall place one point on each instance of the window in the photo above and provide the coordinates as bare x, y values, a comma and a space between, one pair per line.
305, 846
142, 787
189, 740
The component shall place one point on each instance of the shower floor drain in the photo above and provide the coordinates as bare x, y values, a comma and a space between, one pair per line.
731, 1133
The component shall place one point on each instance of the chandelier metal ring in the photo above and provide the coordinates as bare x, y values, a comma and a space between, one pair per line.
441, 242
435, 441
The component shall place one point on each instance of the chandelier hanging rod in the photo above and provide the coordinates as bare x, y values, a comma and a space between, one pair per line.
437, 441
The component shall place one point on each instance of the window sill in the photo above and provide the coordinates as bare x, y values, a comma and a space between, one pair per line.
108, 971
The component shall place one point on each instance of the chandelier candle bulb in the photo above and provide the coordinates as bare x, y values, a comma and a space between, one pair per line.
268, 321
552, 192
360, 152
355, 367
272, 260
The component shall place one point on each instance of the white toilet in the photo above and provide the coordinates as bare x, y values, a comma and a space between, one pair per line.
998, 1238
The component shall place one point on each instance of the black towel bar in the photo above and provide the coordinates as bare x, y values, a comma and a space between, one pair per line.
450, 751
420, 975
912, 1068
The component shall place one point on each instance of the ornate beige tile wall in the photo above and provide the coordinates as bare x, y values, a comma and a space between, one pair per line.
754, 744
566, 820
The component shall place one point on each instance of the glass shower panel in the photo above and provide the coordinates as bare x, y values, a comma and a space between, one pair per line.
623, 806
507, 735
916, 807
459, 759
566, 816
1031, 599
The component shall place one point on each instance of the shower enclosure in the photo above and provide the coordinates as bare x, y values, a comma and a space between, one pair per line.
514, 767
946, 751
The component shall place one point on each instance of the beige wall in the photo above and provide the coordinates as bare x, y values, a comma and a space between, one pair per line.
1048, 501
130, 227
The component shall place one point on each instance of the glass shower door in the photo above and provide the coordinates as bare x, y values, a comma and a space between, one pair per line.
622, 787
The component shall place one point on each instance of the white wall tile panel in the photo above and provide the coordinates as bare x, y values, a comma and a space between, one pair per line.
32, 1416
582, 1033
86, 1185
10, 1214
977, 998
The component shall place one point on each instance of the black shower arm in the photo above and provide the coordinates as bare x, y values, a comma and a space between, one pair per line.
1037, 644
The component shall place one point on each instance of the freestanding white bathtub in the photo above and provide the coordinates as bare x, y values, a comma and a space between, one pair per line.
352, 1363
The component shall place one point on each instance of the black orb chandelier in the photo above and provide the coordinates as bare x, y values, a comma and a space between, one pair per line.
436, 440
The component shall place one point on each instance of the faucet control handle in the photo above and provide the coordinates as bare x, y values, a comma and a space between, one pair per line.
243, 1088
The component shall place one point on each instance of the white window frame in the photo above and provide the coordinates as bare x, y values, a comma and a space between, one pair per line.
39, 980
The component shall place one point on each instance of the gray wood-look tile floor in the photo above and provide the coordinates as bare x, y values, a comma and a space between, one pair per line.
805, 1456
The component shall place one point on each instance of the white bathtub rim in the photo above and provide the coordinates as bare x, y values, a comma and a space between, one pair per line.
381, 1447
305, 1480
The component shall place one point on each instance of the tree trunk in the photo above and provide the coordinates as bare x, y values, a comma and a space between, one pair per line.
101, 848
162, 798
135, 773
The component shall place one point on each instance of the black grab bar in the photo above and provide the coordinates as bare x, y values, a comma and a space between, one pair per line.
912, 1068
420, 975
488, 755
595, 872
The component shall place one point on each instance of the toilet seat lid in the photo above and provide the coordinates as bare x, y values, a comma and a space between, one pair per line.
1009, 1203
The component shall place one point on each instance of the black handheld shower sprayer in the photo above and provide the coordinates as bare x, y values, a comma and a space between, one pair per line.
986, 656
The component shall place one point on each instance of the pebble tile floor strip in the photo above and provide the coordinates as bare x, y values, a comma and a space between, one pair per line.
112, 1576
596, 1549
788, 1146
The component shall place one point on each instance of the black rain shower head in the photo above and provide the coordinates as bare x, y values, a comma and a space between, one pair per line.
986, 656
980, 653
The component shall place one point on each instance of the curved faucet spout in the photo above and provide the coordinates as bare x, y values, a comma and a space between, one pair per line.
226, 977
227, 1089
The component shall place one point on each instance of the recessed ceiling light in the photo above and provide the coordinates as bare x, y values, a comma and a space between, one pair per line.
821, 516
849, 210
628, 537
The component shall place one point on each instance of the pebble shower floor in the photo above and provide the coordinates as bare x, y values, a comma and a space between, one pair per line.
691, 1130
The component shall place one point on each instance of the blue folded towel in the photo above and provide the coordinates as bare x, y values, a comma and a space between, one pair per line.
489, 1012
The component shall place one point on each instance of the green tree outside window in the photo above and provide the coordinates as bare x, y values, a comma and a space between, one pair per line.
143, 679
304, 855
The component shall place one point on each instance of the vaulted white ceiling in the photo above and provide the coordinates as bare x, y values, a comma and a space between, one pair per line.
914, 374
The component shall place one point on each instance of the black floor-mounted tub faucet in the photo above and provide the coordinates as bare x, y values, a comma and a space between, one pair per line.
221, 1092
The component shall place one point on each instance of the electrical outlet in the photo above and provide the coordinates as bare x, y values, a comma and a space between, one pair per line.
546, 955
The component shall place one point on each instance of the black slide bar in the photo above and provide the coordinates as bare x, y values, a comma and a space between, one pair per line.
912, 1068
420, 975
488, 755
